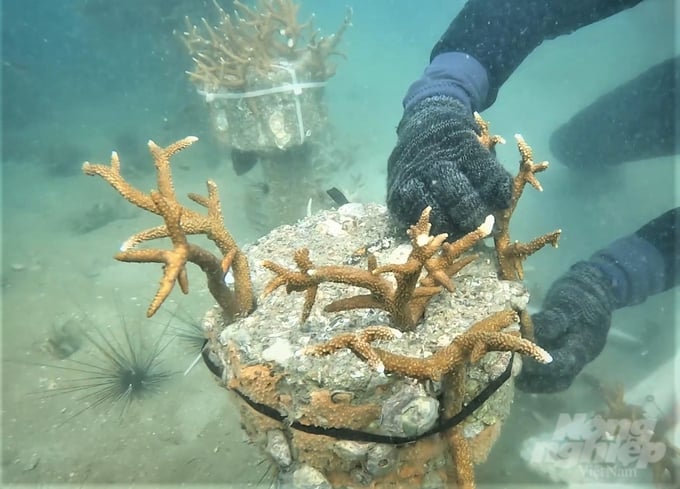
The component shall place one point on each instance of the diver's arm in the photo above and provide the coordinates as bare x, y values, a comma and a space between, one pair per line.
635, 121
499, 34
574, 321
649, 276
438, 161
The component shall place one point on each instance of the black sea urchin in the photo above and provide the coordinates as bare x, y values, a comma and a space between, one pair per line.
189, 332
120, 371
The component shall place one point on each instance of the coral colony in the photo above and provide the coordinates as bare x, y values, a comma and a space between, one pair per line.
244, 46
262, 73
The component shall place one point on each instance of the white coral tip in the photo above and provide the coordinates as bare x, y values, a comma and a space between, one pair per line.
546, 357
487, 225
423, 239
126, 245
396, 333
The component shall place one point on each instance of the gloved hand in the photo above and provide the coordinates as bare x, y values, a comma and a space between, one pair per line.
572, 327
576, 314
438, 160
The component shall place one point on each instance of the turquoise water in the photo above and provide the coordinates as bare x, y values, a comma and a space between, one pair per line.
86, 77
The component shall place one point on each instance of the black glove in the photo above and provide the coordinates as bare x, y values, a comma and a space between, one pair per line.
572, 327
577, 310
439, 162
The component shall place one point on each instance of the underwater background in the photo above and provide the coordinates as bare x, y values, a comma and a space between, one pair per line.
81, 78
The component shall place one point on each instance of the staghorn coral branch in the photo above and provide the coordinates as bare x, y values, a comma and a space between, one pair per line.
406, 301
448, 263
320, 50
666, 468
249, 42
150, 234
174, 269
462, 457
112, 175
469, 347
510, 255
526, 325
453, 394
180, 222
175, 260
308, 278
161, 159
285, 14
484, 136
360, 343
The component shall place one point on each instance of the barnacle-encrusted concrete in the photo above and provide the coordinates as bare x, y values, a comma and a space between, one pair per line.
263, 357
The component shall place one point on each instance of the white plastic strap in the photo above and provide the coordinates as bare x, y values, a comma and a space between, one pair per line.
297, 92
294, 87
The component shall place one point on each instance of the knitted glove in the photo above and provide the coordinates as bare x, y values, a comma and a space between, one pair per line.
439, 162
577, 310
572, 326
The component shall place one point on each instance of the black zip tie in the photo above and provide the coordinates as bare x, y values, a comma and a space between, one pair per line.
355, 435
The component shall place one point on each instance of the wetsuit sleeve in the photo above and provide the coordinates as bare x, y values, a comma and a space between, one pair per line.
644, 263
499, 34
635, 121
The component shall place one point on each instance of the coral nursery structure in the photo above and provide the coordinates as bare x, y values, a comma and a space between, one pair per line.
261, 71
400, 379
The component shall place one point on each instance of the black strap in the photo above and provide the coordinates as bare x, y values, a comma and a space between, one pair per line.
354, 435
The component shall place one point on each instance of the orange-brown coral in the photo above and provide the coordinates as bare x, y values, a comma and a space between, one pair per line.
407, 300
181, 221
249, 42
482, 337
667, 468
510, 255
